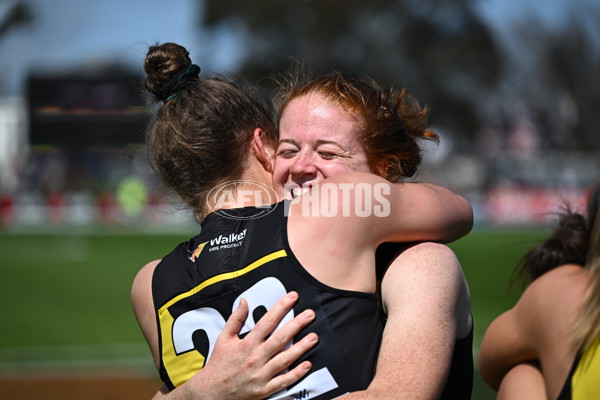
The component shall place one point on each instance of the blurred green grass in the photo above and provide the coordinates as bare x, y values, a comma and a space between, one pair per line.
73, 289
66, 299
66, 296
489, 258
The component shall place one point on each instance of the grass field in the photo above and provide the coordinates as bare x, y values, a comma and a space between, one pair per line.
66, 298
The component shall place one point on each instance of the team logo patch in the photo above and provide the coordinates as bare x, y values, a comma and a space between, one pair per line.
194, 255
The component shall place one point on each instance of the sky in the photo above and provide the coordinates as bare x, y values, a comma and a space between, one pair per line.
70, 33
67, 33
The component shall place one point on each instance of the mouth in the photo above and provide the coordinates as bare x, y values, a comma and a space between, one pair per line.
299, 191
293, 191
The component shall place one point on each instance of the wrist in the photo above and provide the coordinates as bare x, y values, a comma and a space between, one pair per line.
198, 388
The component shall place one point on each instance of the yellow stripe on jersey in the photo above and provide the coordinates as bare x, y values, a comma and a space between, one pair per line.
223, 277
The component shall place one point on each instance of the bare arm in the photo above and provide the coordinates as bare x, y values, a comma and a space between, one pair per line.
241, 369
401, 212
431, 212
523, 381
428, 306
143, 307
505, 344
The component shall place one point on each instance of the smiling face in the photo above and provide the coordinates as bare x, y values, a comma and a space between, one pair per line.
317, 139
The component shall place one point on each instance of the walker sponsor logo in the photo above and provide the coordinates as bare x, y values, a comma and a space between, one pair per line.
232, 237
226, 197
227, 242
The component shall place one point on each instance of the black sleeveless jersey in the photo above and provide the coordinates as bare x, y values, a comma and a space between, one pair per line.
244, 253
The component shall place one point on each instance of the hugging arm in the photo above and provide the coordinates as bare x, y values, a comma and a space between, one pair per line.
399, 212
433, 213
427, 302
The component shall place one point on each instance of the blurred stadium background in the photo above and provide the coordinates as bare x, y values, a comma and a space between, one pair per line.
511, 86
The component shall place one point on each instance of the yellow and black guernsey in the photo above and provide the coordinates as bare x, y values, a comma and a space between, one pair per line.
582, 382
244, 253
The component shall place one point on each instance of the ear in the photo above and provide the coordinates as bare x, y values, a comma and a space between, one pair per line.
263, 150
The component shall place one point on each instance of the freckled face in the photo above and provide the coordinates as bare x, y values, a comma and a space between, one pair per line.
317, 139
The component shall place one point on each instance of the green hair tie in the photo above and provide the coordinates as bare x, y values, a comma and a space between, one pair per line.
180, 80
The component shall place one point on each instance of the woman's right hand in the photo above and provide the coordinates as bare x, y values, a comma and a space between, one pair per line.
253, 367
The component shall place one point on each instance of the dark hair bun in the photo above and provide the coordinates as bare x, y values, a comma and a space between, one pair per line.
163, 62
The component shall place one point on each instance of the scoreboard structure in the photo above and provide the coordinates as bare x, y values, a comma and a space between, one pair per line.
105, 110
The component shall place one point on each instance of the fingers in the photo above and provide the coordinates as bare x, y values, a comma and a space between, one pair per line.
236, 320
284, 359
258, 361
265, 326
283, 381
286, 333
271, 345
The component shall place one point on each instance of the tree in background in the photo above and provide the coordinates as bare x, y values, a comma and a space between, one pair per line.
440, 51
18, 14
443, 53
566, 95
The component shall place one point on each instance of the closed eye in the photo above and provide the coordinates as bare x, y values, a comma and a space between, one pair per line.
326, 155
286, 153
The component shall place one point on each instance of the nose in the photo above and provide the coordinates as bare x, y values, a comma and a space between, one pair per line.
303, 167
